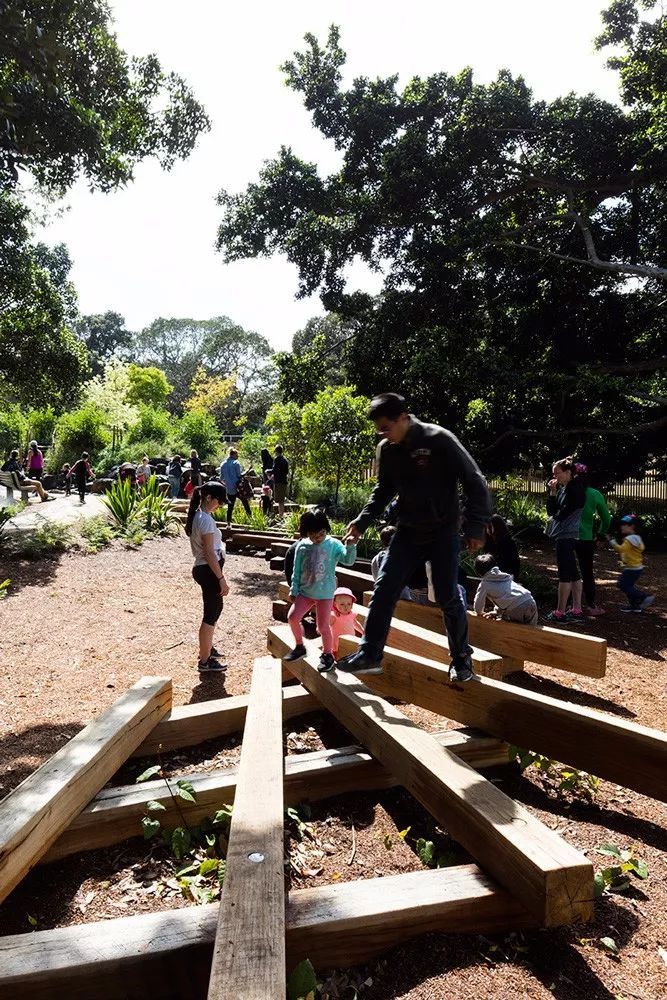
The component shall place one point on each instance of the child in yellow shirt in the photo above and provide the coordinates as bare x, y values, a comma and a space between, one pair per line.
631, 551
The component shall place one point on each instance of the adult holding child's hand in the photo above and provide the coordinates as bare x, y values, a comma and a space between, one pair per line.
423, 465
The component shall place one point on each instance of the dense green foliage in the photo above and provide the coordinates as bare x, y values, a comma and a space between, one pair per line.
522, 243
72, 104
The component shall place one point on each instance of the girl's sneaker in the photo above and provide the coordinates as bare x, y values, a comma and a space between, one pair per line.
327, 663
296, 654
211, 666
595, 612
557, 617
576, 616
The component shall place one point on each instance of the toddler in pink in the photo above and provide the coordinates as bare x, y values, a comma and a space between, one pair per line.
343, 619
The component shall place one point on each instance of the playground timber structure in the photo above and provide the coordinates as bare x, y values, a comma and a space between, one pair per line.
524, 875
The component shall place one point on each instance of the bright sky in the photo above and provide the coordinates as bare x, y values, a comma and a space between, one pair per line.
148, 251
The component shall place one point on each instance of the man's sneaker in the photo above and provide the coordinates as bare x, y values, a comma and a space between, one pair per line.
462, 673
629, 610
296, 654
359, 663
647, 602
327, 663
211, 666
595, 612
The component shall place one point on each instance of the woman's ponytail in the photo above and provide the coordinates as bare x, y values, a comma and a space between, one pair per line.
195, 500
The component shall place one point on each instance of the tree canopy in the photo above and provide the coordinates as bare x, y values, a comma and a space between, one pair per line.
522, 244
73, 104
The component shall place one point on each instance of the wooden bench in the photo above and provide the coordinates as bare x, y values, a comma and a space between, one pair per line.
550, 647
11, 482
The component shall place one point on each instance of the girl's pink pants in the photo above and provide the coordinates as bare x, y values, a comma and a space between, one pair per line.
323, 612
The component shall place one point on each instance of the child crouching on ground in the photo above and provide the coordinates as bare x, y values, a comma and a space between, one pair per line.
511, 601
314, 583
631, 551
343, 619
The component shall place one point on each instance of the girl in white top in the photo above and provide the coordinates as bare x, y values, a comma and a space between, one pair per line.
209, 554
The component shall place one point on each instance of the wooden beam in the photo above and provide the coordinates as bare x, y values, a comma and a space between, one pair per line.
550, 878
414, 639
551, 647
249, 951
188, 725
35, 813
115, 814
168, 954
277, 563
623, 752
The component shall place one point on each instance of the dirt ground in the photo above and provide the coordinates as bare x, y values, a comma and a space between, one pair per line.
76, 631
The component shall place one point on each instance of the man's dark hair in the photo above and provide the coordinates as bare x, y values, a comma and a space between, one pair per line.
484, 563
387, 404
279, 449
387, 534
314, 520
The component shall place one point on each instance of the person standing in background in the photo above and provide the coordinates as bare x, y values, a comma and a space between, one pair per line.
231, 474
280, 476
595, 521
195, 468
34, 462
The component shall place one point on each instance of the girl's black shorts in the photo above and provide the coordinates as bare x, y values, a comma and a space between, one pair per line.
210, 588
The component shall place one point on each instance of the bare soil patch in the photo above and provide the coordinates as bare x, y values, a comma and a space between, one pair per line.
79, 629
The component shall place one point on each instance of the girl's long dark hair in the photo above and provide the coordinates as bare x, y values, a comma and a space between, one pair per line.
210, 489
499, 527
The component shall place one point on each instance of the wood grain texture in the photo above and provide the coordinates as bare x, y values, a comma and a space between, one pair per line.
161, 956
620, 751
35, 813
550, 878
249, 952
414, 639
188, 725
551, 647
115, 814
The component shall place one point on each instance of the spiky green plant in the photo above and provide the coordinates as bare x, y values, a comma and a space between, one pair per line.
122, 502
155, 508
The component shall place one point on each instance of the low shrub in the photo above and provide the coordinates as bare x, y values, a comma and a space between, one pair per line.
122, 502
77, 431
96, 532
52, 537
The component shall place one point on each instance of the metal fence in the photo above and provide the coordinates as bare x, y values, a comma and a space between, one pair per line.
635, 496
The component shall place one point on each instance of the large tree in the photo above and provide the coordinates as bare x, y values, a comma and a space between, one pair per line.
217, 347
72, 104
522, 241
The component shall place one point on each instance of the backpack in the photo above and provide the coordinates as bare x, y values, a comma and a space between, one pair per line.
243, 489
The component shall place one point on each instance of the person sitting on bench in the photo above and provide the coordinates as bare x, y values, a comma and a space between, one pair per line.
13, 465
511, 601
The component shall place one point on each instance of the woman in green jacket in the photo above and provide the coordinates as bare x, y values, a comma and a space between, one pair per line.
595, 521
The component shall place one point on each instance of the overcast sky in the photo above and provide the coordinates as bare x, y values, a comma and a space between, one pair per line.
148, 251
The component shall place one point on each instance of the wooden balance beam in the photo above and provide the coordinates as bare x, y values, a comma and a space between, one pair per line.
551, 647
551, 879
620, 751
115, 814
188, 725
35, 813
414, 639
168, 954
249, 951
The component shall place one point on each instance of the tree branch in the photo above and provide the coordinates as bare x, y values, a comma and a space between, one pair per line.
652, 425
638, 270
629, 367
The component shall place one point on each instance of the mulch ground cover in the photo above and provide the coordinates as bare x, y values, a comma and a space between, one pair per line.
78, 630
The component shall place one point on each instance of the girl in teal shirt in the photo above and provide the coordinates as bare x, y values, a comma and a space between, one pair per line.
314, 583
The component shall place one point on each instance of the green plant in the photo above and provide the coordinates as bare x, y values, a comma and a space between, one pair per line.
541, 586
156, 509
13, 428
302, 982
618, 877
4, 587
51, 537
203, 843
79, 430
152, 424
122, 502
198, 430
41, 424
571, 780
5, 517
433, 858
96, 532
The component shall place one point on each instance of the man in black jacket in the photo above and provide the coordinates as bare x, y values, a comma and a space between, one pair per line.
423, 465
